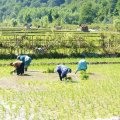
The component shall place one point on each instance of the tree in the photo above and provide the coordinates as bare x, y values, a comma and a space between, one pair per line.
53, 3
87, 13
50, 19
14, 22
35, 3
71, 18
118, 7
28, 19
44, 21
43, 1
68, 1
70, 11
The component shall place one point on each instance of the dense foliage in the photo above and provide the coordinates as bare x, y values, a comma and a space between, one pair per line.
58, 12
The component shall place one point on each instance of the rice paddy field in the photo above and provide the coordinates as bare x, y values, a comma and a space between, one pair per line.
40, 95
69, 43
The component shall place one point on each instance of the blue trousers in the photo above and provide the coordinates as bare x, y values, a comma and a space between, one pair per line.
62, 74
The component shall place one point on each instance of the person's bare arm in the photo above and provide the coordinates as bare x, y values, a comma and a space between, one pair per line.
76, 71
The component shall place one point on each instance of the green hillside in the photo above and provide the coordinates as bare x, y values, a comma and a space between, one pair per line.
44, 12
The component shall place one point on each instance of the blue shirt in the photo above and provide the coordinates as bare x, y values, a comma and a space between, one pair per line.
62, 69
25, 59
82, 65
22, 58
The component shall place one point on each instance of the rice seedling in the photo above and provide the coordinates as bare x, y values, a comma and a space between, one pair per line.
37, 98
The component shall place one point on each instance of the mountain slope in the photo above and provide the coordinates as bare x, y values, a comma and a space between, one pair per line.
43, 12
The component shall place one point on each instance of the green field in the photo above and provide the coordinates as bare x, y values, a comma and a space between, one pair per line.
58, 43
64, 60
41, 96
60, 32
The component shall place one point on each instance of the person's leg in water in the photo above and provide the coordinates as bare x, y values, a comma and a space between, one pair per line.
26, 68
18, 70
84, 75
27, 63
22, 68
64, 75
59, 72
82, 72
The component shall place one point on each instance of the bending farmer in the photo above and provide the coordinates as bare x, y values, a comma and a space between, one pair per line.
19, 67
62, 70
26, 60
82, 65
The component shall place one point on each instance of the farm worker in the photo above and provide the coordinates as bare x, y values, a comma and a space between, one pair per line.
82, 65
19, 67
62, 70
26, 60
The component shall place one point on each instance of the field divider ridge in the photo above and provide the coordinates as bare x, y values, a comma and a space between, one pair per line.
72, 63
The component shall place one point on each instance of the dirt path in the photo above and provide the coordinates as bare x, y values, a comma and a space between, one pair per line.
13, 81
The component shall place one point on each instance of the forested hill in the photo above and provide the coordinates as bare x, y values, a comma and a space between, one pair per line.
44, 12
